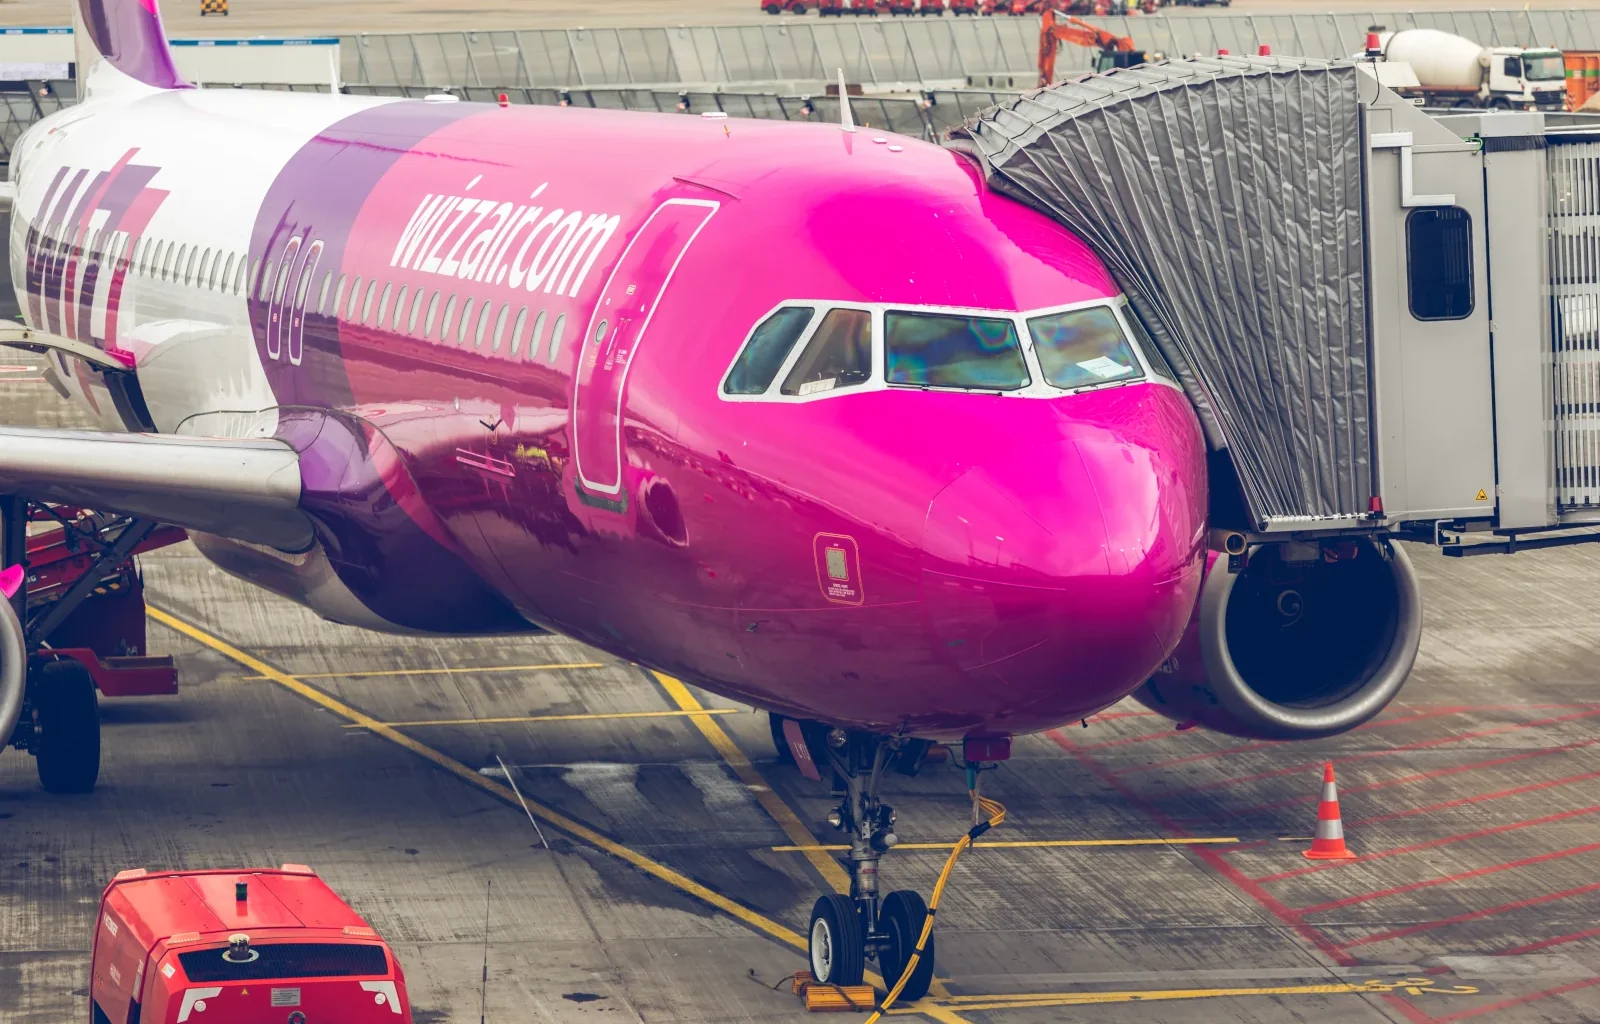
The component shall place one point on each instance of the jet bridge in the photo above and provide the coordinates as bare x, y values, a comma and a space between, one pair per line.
1387, 321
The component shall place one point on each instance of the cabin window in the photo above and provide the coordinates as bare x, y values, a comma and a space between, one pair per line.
1147, 346
399, 308
536, 339
466, 321
839, 355
500, 327
444, 323
555, 335
166, 261
1083, 347
763, 355
383, 306
227, 274
516, 329
283, 281
338, 296
322, 296
483, 325
205, 267
366, 303
416, 311
189, 276
1439, 262
269, 272
254, 279
433, 311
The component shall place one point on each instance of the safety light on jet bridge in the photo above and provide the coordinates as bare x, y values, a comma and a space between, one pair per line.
1374, 47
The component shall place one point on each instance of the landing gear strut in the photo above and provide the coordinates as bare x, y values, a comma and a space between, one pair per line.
846, 931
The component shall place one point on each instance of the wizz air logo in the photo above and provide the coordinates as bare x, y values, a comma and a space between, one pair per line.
524, 245
77, 248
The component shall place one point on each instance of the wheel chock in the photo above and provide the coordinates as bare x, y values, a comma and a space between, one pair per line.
822, 998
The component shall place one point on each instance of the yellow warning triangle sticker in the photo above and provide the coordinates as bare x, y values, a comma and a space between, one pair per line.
1483, 495
244, 991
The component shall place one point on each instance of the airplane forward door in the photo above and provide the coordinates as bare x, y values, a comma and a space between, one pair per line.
611, 343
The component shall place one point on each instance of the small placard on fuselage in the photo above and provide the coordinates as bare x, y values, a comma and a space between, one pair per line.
838, 568
285, 997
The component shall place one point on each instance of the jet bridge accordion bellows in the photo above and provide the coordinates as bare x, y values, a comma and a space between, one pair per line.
1225, 197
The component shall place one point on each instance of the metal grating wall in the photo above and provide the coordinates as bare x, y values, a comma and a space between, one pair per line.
1574, 235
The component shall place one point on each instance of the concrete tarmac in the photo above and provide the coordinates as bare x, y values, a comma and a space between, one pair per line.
1159, 874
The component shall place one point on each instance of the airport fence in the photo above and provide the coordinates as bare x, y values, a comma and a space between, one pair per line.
886, 52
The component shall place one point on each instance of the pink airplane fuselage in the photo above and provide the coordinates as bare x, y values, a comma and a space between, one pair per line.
1008, 563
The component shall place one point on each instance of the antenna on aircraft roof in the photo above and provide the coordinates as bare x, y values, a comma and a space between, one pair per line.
847, 123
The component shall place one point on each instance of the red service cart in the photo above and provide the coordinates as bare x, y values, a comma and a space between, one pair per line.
238, 947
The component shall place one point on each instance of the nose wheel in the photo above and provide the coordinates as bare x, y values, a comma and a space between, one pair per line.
847, 931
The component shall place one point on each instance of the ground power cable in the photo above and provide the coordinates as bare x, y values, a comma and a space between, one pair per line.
531, 819
993, 813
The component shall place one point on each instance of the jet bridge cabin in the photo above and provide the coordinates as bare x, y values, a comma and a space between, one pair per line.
1387, 321
1388, 324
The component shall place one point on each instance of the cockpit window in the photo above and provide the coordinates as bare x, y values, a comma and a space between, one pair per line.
946, 350
838, 356
769, 346
1081, 347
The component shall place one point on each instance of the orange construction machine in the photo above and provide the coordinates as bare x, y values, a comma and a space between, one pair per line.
1115, 51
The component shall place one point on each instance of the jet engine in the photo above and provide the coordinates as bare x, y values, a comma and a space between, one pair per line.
1306, 640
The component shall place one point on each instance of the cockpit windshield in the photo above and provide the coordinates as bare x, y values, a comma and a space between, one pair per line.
946, 350
1081, 347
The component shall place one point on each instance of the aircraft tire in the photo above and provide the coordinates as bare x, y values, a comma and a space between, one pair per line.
838, 954
67, 740
901, 918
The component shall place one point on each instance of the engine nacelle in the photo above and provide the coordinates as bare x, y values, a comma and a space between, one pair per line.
1294, 649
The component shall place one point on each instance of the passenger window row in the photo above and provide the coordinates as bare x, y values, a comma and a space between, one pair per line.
818, 350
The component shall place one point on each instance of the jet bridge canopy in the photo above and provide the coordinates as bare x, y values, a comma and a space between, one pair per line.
1226, 197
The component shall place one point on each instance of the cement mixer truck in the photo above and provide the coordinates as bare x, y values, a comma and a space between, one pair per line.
1451, 71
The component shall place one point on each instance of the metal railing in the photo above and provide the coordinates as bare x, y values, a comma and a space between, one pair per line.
883, 52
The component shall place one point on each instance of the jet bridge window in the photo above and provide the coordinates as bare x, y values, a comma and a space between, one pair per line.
946, 350
764, 353
1439, 262
1082, 347
839, 355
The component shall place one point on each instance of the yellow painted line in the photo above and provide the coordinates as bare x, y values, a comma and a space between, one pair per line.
745, 915
787, 820
1024, 844
597, 716
1022, 1001
428, 671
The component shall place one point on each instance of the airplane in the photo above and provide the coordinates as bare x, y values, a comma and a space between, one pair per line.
802, 413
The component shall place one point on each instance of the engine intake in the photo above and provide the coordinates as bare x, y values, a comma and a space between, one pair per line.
1289, 649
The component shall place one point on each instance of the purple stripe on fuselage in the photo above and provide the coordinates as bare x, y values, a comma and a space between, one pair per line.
317, 196
128, 33
33, 252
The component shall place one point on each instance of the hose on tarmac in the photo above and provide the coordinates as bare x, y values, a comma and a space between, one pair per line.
993, 813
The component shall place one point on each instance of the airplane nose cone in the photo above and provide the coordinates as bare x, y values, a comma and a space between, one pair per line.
1057, 577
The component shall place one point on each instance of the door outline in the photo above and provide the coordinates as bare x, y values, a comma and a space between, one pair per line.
275, 297
712, 206
304, 282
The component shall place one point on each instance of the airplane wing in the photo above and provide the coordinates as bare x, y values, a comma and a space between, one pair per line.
245, 488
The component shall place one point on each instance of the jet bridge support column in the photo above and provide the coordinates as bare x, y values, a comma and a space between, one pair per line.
1516, 191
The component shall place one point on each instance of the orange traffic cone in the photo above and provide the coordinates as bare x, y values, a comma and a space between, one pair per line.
1328, 844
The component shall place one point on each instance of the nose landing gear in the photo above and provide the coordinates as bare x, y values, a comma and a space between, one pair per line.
846, 931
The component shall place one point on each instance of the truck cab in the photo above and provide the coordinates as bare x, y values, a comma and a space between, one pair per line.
1527, 78
238, 947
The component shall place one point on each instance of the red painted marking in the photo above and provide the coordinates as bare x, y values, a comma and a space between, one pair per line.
1430, 844
1111, 716
1447, 879
1506, 1004
1472, 916
1249, 747
1547, 943
1461, 801
1422, 745
1423, 776
1211, 858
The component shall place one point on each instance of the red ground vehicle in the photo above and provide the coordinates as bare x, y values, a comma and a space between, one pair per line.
74, 630
959, 7
779, 6
238, 947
